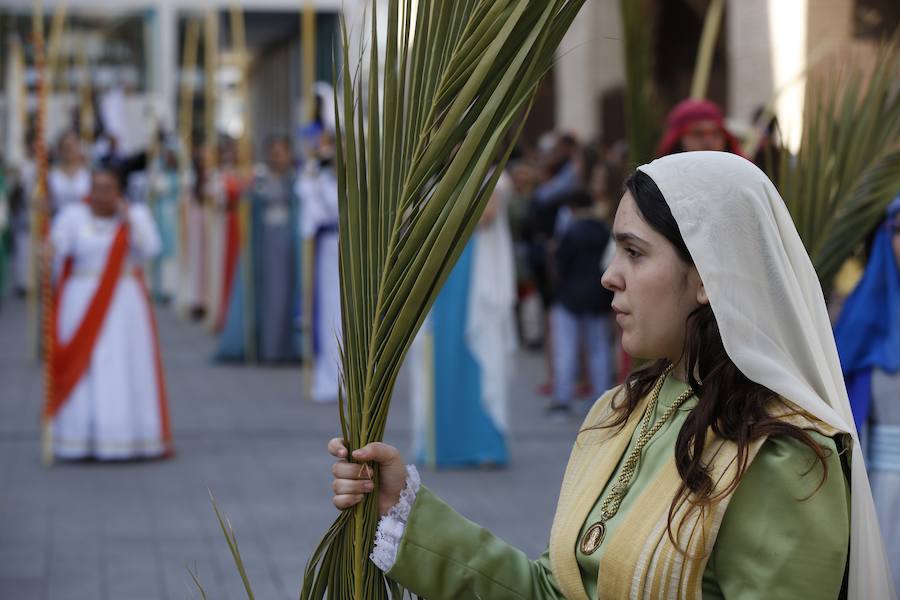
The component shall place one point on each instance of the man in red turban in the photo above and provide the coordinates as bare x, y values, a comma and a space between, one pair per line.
696, 125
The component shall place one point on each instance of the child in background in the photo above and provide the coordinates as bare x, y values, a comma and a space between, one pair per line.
581, 315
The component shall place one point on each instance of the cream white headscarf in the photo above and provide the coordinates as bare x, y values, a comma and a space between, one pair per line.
771, 313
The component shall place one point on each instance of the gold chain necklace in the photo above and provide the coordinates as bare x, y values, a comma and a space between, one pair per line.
593, 537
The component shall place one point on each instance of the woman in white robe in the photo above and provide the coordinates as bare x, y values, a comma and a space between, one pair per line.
117, 409
318, 193
69, 182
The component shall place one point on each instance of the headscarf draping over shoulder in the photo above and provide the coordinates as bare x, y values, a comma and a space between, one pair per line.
771, 313
686, 113
868, 330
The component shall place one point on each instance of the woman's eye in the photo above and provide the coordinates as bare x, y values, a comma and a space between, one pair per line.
631, 252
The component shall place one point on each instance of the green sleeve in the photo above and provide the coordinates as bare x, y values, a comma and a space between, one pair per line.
780, 538
444, 555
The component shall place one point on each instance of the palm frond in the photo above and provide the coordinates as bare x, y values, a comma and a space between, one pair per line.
707, 48
848, 166
420, 149
642, 116
231, 538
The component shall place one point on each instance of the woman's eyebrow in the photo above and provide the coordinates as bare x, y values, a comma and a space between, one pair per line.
625, 237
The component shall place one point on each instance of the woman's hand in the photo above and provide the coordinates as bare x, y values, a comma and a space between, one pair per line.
353, 480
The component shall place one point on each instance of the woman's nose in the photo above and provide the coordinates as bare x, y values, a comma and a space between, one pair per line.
611, 279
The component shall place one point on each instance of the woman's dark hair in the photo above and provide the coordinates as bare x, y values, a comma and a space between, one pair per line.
729, 403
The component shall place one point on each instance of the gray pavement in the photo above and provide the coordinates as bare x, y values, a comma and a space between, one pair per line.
132, 531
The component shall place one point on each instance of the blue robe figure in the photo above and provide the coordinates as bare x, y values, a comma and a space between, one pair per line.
265, 293
462, 359
868, 341
868, 329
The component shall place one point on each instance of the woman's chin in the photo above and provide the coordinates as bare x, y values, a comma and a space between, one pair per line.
637, 351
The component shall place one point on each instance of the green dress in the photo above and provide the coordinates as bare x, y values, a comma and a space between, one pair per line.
780, 538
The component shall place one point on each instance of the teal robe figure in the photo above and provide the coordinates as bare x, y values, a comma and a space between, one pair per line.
164, 193
265, 294
462, 362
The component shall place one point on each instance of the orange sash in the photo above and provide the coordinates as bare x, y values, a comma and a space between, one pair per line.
69, 361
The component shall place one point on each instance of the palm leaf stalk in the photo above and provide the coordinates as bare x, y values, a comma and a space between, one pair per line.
707, 48
420, 149
847, 168
642, 117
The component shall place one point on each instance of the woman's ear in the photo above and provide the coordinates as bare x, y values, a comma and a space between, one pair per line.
702, 298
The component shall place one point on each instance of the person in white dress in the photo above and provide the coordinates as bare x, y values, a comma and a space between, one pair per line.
317, 189
69, 181
107, 396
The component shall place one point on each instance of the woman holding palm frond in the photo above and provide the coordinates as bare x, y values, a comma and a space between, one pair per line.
729, 467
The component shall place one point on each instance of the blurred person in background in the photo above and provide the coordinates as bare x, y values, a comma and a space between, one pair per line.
317, 189
769, 146
20, 204
558, 176
868, 339
108, 392
223, 190
69, 181
694, 125
462, 359
581, 316
164, 191
266, 288
529, 308
229, 188
192, 260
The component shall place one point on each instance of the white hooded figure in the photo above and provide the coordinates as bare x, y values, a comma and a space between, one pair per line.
317, 189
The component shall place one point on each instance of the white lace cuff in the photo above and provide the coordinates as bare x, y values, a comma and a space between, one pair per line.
392, 525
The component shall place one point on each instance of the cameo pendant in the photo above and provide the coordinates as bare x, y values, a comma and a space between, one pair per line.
593, 537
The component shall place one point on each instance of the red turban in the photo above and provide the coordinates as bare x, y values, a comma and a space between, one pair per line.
686, 113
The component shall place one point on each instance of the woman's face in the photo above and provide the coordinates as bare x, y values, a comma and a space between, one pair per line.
703, 135
655, 290
105, 194
69, 149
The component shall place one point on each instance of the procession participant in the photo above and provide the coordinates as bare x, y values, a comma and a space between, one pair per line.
165, 188
868, 341
69, 180
192, 241
318, 191
461, 361
233, 185
21, 209
718, 470
696, 125
107, 395
266, 288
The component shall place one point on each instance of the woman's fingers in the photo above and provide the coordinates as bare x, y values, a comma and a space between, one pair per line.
378, 452
351, 486
345, 501
346, 470
336, 448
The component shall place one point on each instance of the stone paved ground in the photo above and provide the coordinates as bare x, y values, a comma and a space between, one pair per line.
132, 531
